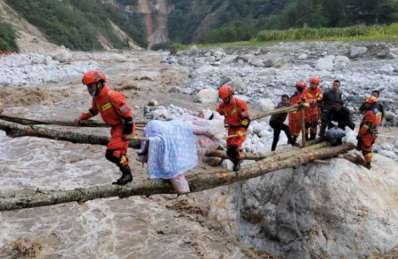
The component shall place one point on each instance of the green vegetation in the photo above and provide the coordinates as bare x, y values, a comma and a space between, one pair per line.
75, 23
244, 19
7, 38
359, 31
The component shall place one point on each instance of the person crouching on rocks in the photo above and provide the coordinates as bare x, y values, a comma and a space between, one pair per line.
114, 111
237, 117
277, 123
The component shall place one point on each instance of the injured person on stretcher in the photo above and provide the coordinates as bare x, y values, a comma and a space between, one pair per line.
176, 146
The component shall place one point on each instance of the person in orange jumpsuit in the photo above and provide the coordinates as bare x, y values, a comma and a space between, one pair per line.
237, 117
368, 129
313, 96
114, 111
295, 116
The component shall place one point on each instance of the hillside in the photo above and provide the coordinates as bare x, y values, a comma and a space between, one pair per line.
118, 24
80, 25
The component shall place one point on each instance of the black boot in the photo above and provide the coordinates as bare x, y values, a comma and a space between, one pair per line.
306, 137
126, 178
313, 136
236, 165
369, 165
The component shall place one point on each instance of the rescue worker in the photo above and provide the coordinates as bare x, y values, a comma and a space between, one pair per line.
378, 105
313, 96
114, 111
328, 102
341, 115
237, 117
277, 123
368, 129
295, 116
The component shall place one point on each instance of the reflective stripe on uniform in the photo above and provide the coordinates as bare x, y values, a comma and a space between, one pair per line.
106, 106
234, 111
245, 122
123, 159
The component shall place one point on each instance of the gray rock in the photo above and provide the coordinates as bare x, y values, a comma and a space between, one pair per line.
238, 84
175, 89
357, 51
389, 116
187, 91
263, 133
118, 57
386, 146
302, 56
341, 59
63, 56
224, 81
396, 143
206, 96
388, 153
264, 105
227, 164
324, 64
295, 213
387, 68
153, 103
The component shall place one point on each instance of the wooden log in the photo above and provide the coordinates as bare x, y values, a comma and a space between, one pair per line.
13, 200
274, 111
302, 121
313, 145
85, 123
17, 130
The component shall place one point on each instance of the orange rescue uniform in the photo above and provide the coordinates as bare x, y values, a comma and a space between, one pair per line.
113, 108
237, 117
295, 116
313, 97
368, 132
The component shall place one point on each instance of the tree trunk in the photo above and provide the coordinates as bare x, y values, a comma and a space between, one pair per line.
13, 200
274, 111
85, 123
252, 156
15, 130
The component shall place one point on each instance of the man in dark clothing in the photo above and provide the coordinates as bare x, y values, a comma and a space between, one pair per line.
378, 106
327, 103
340, 115
277, 123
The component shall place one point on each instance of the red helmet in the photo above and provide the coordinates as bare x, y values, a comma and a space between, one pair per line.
371, 99
225, 91
93, 76
301, 85
315, 80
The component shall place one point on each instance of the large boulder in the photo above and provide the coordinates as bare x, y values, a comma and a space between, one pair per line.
341, 59
341, 210
62, 56
387, 68
357, 51
206, 96
263, 105
324, 64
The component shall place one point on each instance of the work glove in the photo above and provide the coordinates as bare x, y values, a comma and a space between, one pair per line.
240, 133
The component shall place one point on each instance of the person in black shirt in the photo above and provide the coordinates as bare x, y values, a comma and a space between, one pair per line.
378, 106
340, 115
277, 123
327, 103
